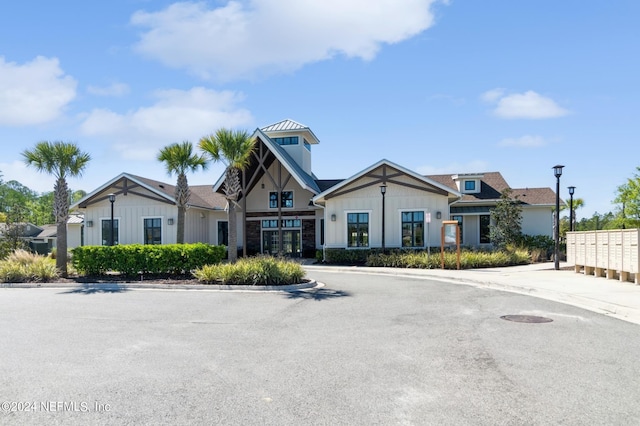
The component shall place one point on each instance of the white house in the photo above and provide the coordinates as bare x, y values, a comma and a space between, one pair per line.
285, 208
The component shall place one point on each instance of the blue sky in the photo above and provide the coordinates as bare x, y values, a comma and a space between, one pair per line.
435, 86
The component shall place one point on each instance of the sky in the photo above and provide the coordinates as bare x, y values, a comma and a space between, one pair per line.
457, 86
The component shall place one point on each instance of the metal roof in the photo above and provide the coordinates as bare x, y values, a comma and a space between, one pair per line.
288, 125
284, 125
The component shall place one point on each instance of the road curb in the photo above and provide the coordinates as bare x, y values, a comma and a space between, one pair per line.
113, 287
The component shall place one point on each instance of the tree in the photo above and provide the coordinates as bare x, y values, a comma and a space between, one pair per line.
629, 199
179, 159
506, 219
234, 149
59, 159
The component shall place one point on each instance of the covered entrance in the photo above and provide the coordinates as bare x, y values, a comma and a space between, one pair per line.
291, 238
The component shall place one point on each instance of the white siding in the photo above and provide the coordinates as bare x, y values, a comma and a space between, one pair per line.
398, 199
537, 221
129, 211
258, 198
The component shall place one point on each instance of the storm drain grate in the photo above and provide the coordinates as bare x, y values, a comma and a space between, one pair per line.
532, 319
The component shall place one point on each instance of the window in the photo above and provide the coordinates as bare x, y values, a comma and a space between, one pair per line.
306, 144
459, 219
358, 229
106, 232
286, 199
412, 229
285, 223
273, 200
469, 185
223, 233
289, 140
153, 231
485, 223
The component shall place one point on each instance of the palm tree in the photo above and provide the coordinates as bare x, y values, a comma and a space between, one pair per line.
60, 159
234, 149
178, 159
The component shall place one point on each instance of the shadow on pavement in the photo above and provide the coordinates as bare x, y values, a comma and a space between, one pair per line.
97, 288
317, 294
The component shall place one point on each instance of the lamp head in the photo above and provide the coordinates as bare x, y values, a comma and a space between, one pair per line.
383, 189
557, 171
572, 189
112, 197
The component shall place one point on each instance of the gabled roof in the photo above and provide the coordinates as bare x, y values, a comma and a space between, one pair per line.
288, 125
491, 186
452, 192
304, 179
201, 195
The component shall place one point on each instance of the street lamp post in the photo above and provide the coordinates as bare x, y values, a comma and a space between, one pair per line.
383, 190
572, 189
112, 199
557, 171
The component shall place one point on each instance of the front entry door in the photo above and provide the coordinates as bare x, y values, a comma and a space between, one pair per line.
290, 242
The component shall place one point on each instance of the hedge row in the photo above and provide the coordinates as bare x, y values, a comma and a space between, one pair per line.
134, 259
468, 259
395, 258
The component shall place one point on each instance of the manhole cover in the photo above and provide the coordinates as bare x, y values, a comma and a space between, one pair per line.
526, 318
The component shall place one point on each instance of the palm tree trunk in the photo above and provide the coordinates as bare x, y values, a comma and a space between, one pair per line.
232, 190
180, 231
182, 195
61, 213
232, 250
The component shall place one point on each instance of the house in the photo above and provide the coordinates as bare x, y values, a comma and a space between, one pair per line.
42, 239
285, 208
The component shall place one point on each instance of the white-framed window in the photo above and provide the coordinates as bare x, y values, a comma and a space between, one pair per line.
412, 228
286, 199
358, 229
152, 230
105, 231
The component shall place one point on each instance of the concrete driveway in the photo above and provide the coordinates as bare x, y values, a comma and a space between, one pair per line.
361, 350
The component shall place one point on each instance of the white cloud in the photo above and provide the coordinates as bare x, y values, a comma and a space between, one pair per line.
176, 116
33, 93
243, 39
528, 105
476, 166
492, 95
114, 90
526, 141
29, 177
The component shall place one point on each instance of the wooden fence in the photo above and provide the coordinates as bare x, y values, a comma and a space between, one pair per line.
613, 254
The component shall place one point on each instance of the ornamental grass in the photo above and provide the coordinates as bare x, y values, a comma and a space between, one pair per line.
261, 270
24, 266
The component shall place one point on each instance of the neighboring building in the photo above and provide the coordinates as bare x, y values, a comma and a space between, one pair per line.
286, 209
42, 239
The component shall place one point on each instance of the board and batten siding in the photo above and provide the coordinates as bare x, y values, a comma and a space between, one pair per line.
398, 199
130, 211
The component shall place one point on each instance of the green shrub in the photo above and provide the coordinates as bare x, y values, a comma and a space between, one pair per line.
133, 259
468, 259
261, 270
23, 266
347, 257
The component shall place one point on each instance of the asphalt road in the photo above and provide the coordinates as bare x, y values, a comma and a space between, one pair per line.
362, 350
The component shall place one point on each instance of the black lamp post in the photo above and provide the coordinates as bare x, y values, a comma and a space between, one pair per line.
112, 199
557, 171
383, 190
572, 189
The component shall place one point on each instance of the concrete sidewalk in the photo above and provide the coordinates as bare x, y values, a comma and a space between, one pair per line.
609, 297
